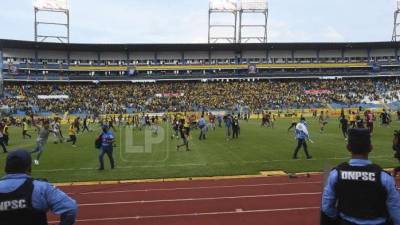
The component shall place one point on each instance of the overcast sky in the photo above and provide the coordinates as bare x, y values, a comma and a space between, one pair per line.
185, 21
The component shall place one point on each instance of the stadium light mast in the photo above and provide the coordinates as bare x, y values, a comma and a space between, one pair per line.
396, 35
260, 30
60, 18
1, 75
229, 8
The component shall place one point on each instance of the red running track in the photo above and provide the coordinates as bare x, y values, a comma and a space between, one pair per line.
265, 200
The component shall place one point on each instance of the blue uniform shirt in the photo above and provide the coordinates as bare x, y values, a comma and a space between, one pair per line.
392, 202
228, 122
106, 139
45, 196
202, 122
302, 131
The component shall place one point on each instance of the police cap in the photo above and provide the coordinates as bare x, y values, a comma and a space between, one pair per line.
359, 140
18, 161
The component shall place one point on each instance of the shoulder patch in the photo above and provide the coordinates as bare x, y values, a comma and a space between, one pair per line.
41, 180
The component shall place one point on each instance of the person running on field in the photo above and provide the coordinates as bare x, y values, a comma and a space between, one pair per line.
25, 128
43, 136
72, 134
322, 121
184, 129
57, 131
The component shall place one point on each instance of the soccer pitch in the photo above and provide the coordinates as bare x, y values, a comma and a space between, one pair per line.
140, 155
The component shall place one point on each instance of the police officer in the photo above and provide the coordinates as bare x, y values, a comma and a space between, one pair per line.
302, 136
359, 192
25, 201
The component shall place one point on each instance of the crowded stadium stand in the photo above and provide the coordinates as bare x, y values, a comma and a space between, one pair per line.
86, 78
41, 61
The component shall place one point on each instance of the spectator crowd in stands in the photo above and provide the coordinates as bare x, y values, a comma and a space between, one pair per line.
182, 96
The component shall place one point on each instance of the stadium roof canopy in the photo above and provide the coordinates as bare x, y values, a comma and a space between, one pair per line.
190, 47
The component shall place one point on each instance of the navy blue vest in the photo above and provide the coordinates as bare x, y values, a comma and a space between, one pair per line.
16, 207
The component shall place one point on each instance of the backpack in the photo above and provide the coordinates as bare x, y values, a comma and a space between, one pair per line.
98, 142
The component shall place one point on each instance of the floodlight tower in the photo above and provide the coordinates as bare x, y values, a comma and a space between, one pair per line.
60, 10
253, 7
396, 34
1, 74
227, 7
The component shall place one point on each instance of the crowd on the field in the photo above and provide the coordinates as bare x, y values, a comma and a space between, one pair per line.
198, 96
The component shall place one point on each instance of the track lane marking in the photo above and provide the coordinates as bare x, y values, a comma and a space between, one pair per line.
194, 188
194, 214
197, 199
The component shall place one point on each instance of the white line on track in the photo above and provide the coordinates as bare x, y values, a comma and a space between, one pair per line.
195, 188
198, 199
97, 220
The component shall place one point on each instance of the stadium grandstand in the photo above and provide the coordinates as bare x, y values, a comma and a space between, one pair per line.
40, 61
318, 75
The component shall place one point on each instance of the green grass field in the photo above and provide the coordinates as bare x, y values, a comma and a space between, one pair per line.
257, 149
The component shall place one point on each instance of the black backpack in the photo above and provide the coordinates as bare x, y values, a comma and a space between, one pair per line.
98, 142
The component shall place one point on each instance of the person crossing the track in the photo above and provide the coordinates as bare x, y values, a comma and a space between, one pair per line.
359, 192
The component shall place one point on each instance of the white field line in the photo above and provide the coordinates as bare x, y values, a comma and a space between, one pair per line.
204, 164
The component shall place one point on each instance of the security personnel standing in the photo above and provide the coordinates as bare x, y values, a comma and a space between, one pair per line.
25, 201
360, 192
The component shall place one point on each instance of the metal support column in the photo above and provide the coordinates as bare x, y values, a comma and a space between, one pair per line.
396, 23
222, 28
63, 20
253, 7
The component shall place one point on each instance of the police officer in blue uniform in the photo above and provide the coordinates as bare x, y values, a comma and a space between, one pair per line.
107, 140
25, 201
359, 192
